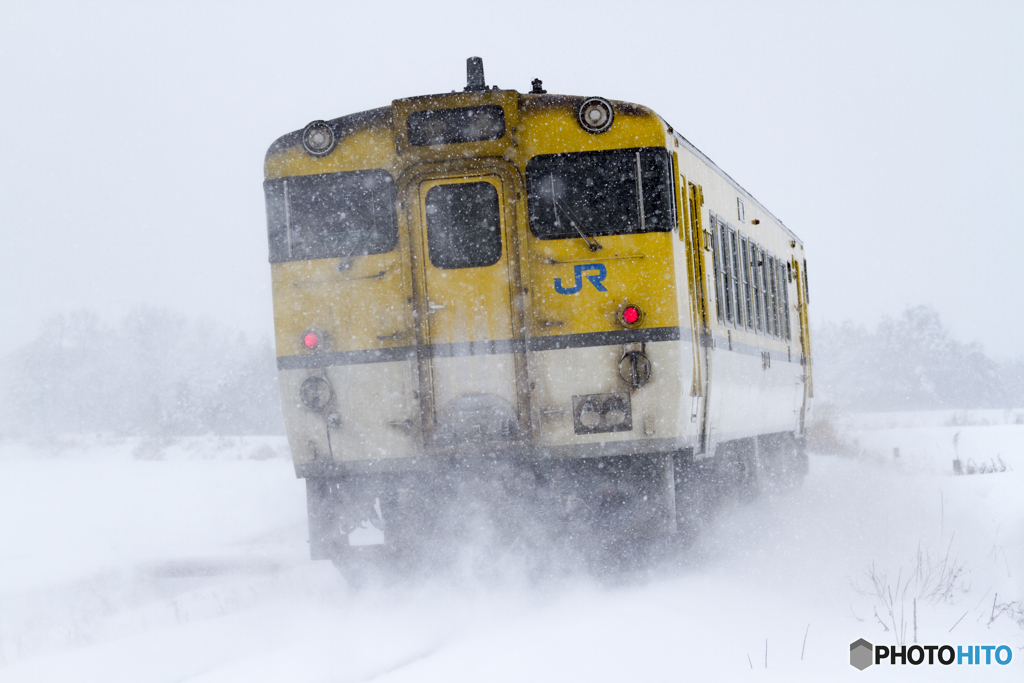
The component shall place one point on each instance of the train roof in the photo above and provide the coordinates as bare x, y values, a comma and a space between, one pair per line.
739, 188
382, 117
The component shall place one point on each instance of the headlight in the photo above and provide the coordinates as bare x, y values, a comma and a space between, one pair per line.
596, 115
318, 138
315, 393
598, 413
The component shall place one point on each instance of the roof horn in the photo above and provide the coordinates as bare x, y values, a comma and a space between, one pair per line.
475, 75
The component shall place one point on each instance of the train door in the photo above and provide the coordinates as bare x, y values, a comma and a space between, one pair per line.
800, 275
693, 234
471, 359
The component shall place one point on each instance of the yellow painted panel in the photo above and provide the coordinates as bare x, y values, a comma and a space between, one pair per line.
362, 149
362, 305
638, 269
549, 127
476, 302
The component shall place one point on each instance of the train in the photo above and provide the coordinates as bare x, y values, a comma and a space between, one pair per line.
555, 300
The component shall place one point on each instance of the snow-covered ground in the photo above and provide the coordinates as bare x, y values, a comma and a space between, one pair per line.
186, 560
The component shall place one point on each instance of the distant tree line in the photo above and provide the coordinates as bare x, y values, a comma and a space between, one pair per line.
153, 373
909, 363
158, 374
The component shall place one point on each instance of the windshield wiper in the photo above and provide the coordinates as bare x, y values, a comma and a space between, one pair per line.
574, 220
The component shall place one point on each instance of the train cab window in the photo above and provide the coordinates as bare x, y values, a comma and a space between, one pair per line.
331, 215
614, 192
745, 258
459, 124
463, 225
755, 279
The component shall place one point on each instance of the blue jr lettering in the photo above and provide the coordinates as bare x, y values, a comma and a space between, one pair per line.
578, 271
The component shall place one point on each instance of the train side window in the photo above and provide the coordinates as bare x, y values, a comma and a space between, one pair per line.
330, 215
756, 282
737, 277
773, 283
745, 257
786, 278
613, 192
716, 258
766, 292
727, 300
463, 225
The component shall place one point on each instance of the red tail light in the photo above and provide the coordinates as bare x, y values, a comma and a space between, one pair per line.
311, 340
630, 315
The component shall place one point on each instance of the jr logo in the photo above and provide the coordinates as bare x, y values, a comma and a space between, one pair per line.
578, 271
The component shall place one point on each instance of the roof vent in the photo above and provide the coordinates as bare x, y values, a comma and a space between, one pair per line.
538, 87
475, 75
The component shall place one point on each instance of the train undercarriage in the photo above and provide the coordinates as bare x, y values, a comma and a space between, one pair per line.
607, 510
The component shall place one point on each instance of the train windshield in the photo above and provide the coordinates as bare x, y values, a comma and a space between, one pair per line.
615, 192
331, 215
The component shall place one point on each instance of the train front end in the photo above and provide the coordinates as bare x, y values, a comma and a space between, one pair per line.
479, 286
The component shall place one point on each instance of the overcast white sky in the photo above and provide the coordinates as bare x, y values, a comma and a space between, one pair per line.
888, 136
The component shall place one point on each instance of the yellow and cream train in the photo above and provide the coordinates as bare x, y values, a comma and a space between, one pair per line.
558, 297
